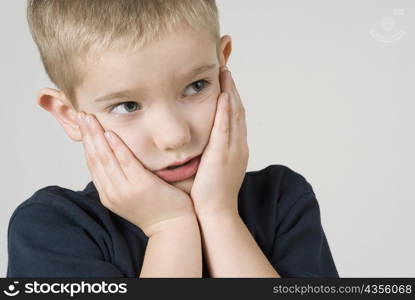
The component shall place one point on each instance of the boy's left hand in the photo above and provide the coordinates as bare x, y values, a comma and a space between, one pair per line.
223, 163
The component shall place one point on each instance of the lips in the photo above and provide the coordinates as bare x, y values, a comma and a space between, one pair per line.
178, 163
187, 170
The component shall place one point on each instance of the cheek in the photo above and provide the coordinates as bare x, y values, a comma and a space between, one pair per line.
203, 115
137, 144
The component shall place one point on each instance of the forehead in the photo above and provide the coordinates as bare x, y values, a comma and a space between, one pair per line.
168, 59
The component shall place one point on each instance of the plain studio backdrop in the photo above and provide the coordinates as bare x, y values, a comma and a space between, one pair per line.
328, 89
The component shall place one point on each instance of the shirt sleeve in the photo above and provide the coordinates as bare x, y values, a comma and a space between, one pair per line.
43, 242
300, 248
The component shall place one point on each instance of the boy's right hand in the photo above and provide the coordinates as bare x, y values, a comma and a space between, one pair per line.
127, 188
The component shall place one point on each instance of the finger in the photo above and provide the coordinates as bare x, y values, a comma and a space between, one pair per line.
235, 91
238, 117
237, 135
225, 84
221, 126
133, 169
97, 172
106, 157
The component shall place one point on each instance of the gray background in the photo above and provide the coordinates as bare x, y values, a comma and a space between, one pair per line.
323, 96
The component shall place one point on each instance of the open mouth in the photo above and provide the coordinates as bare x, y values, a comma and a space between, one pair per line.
180, 172
178, 166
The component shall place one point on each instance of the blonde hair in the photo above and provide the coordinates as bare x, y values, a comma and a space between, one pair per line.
68, 32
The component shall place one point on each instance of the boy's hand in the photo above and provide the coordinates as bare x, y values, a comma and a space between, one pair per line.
223, 163
127, 188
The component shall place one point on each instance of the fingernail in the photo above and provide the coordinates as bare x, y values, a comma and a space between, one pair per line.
88, 120
81, 116
225, 68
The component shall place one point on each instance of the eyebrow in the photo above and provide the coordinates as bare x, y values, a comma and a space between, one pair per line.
123, 93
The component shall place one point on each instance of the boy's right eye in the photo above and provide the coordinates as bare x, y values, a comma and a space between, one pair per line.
130, 109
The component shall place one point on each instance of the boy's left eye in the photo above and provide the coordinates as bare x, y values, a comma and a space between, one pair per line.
199, 86
197, 83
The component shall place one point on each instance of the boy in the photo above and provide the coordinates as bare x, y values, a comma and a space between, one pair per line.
143, 215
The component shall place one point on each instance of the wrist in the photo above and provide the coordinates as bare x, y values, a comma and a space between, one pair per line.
182, 224
217, 216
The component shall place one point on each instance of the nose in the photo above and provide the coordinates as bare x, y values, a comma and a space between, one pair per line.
170, 129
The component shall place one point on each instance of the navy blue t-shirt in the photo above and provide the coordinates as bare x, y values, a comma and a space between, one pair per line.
59, 232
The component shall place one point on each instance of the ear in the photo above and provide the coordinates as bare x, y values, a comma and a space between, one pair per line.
225, 49
55, 102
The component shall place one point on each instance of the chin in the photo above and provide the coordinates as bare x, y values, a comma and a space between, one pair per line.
185, 185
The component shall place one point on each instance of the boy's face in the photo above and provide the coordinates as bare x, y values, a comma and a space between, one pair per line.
169, 112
